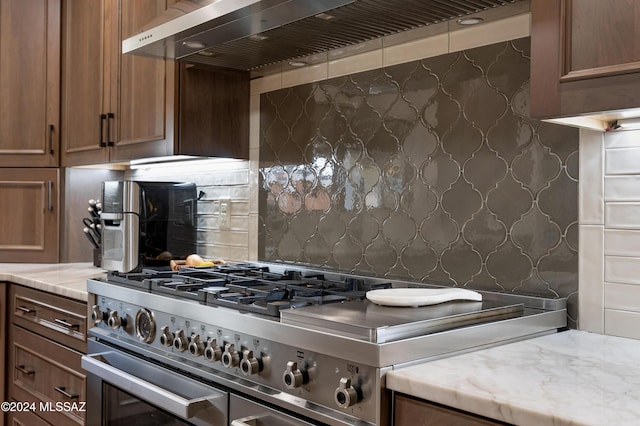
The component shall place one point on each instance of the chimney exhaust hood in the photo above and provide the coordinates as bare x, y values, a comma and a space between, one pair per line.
249, 34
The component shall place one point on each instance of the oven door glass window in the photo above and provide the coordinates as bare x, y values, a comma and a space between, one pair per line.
123, 409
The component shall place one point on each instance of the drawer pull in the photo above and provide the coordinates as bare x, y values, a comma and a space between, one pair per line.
23, 370
65, 323
62, 390
26, 310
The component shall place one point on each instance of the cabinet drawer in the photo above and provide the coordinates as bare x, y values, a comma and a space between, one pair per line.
58, 318
24, 418
43, 371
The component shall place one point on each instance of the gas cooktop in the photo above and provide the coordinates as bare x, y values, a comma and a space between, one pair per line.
249, 287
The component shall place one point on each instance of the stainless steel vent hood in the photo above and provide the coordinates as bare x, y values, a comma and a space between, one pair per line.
249, 34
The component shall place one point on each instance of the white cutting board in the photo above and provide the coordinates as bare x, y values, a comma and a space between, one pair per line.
420, 296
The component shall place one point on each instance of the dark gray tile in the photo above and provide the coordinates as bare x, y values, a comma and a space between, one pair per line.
431, 171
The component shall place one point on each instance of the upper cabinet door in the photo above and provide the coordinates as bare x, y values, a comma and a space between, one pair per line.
29, 83
84, 94
585, 56
142, 94
115, 107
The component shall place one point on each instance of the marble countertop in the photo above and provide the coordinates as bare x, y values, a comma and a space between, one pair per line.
64, 279
569, 378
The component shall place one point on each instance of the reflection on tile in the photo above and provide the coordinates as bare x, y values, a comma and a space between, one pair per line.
428, 170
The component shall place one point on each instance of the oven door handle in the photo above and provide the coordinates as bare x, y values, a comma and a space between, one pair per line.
169, 401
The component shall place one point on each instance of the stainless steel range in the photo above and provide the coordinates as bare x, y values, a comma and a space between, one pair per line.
276, 344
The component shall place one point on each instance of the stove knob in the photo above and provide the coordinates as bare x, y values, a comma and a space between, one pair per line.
115, 322
250, 364
293, 377
97, 315
166, 338
230, 357
196, 347
213, 352
180, 342
345, 395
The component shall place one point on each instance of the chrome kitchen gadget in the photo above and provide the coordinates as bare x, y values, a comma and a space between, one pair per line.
300, 346
146, 224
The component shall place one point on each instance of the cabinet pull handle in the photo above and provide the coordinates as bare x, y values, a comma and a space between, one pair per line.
110, 118
63, 391
51, 130
65, 323
26, 310
50, 196
103, 118
23, 370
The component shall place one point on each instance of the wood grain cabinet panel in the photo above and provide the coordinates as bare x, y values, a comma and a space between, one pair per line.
585, 56
124, 107
46, 339
58, 318
410, 411
29, 83
29, 213
41, 370
24, 418
3, 339
115, 107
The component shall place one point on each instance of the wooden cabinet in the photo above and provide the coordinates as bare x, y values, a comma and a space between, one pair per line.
43, 371
3, 331
585, 57
410, 411
29, 83
47, 337
122, 107
29, 213
114, 107
213, 112
57, 318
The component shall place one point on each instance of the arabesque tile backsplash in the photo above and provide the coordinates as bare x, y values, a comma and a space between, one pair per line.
429, 171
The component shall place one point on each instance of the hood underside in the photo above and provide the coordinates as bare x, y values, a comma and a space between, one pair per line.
250, 34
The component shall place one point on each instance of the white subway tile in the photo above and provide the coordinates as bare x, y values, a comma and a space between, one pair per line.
254, 122
622, 161
622, 215
254, 180
625, 139
415, 50
624, 297
356, 63
625, 270
253, 237
591, 184
621, 242
309, 74
622, 323
591, 279
622, 188
266, 84
493, 32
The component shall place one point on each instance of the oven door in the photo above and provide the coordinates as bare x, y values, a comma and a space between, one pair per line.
123, 389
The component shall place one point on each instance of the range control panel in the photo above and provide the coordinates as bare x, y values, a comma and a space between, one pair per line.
317, 377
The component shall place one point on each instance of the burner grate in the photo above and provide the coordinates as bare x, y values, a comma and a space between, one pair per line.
249, 287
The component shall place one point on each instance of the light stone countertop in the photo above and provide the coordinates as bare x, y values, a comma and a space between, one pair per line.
64, 279
569, 378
